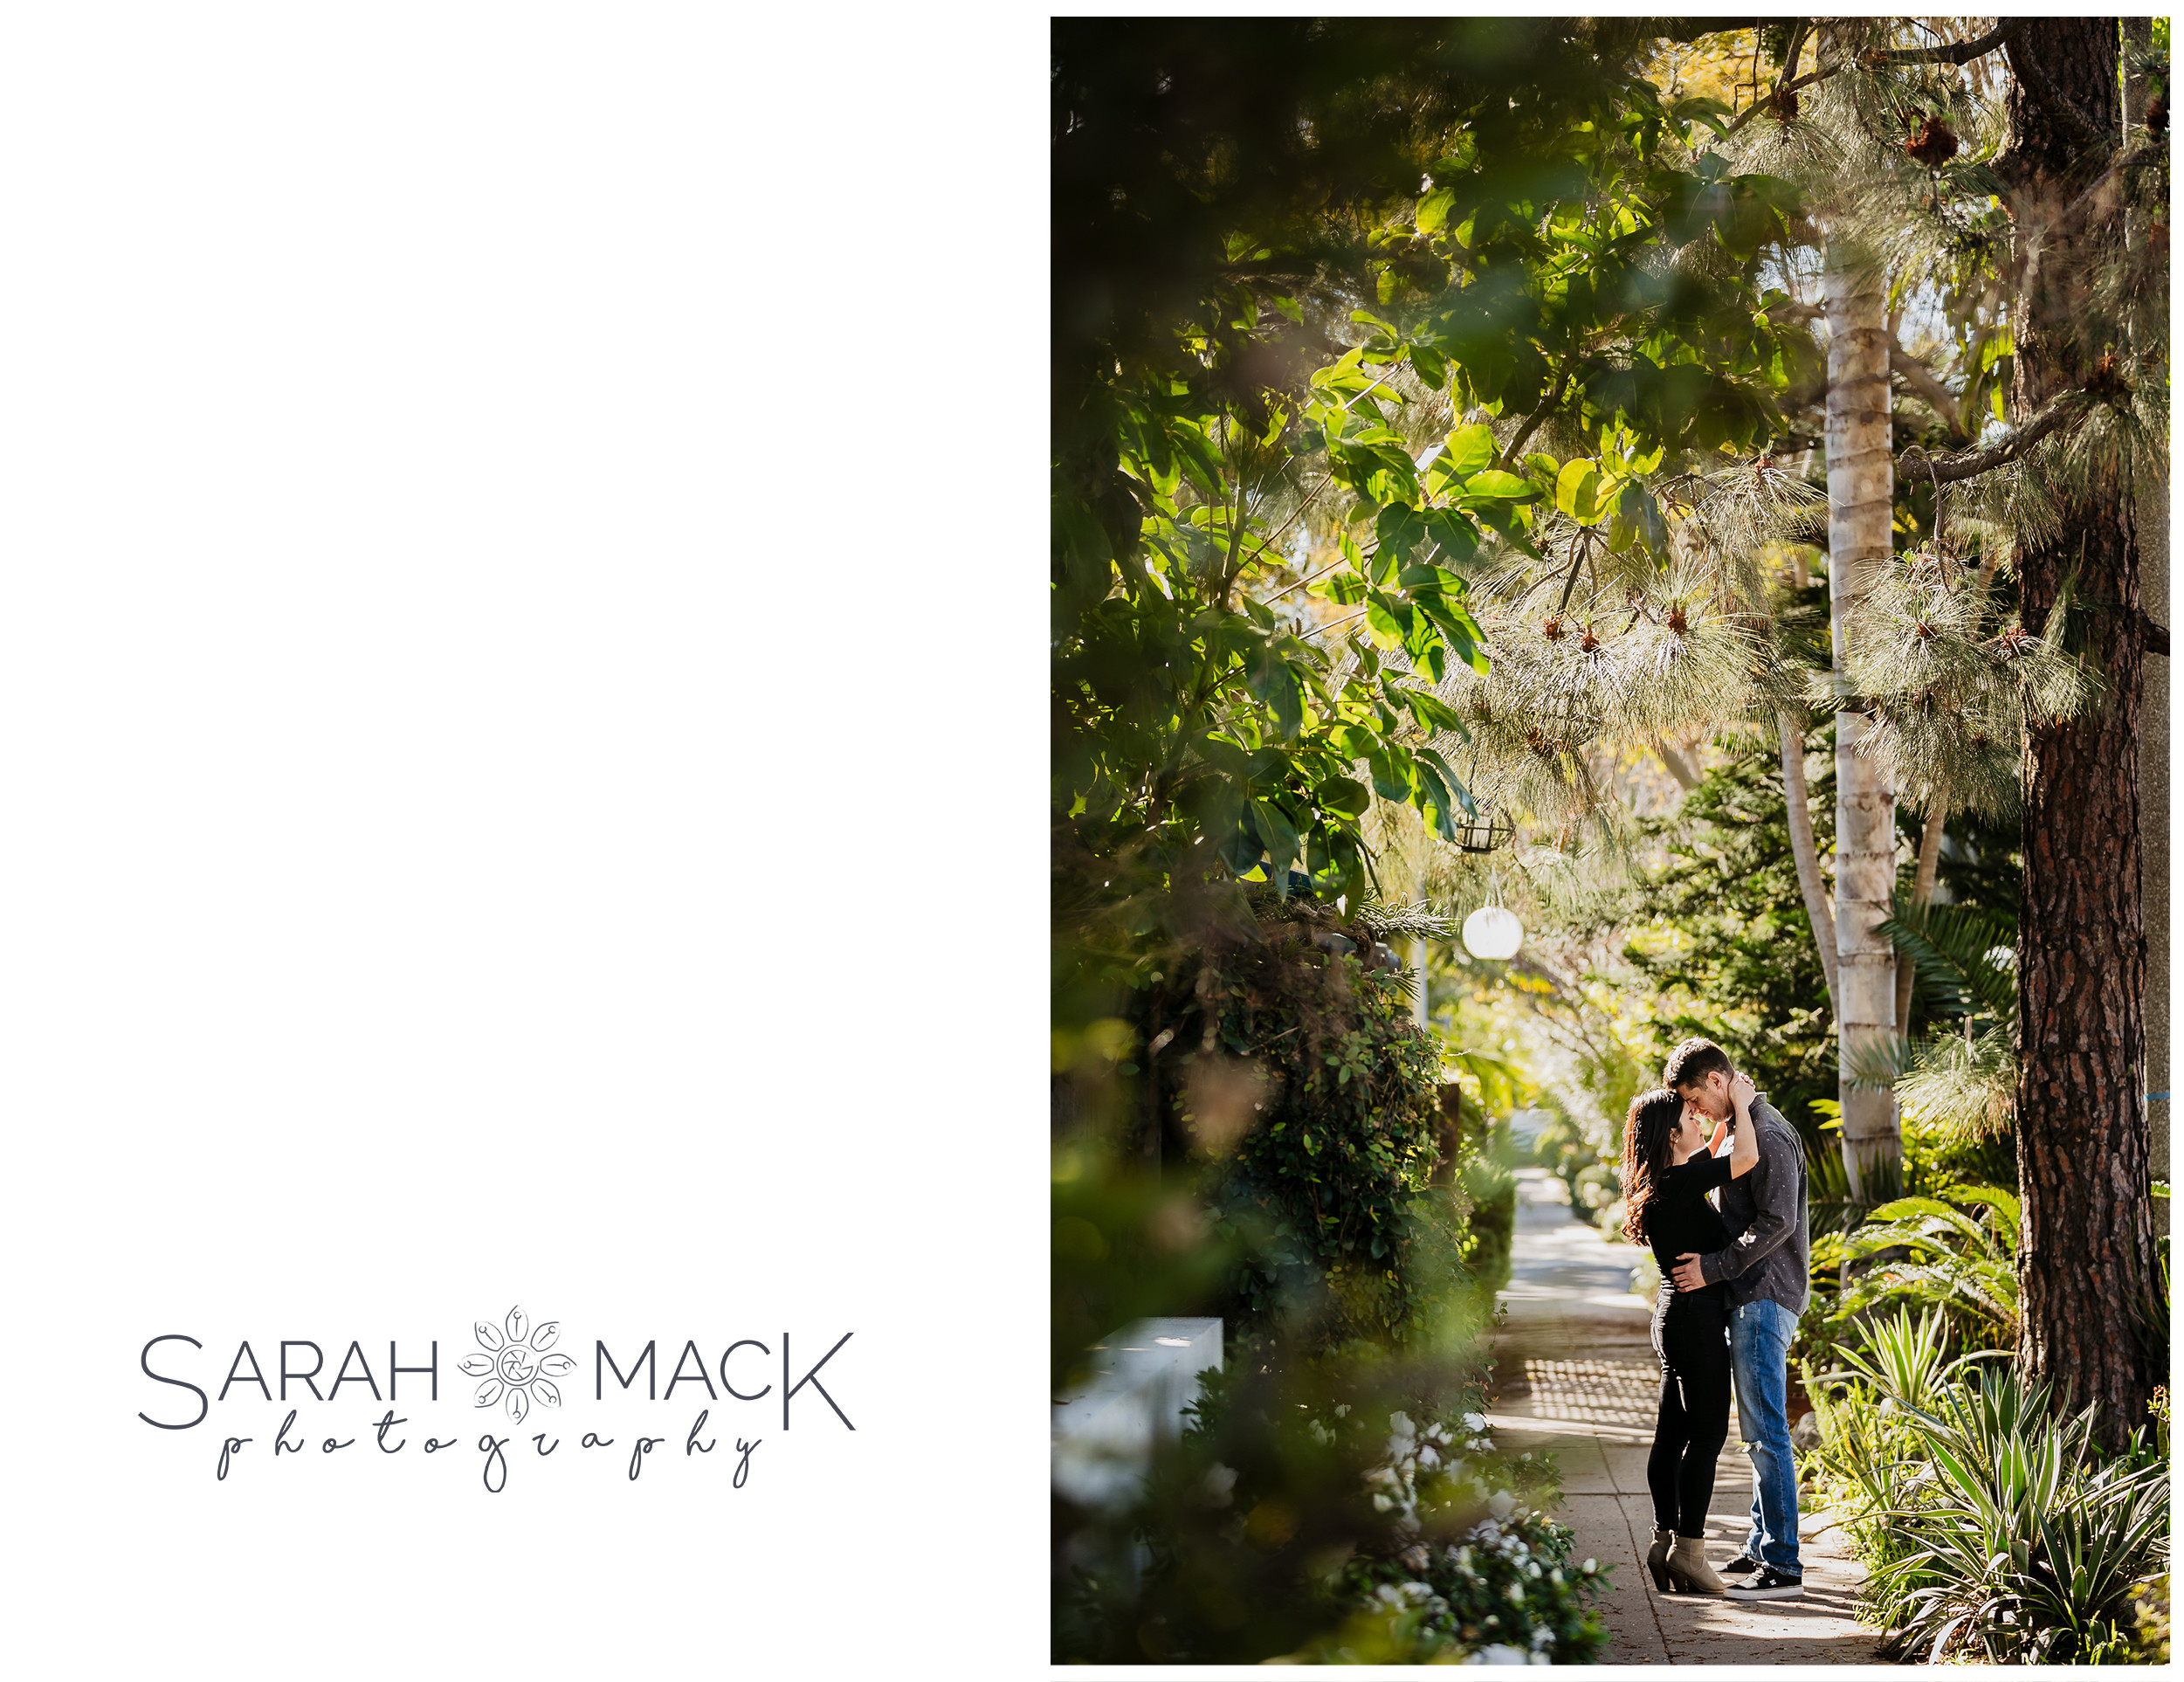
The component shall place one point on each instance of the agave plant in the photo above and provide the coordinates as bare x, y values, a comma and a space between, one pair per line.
2020, 1544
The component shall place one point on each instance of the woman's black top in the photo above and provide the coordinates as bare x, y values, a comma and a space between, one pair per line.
1679, 1221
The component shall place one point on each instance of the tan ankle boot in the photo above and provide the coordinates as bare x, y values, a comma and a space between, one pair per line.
1656, 1560
1688, 1570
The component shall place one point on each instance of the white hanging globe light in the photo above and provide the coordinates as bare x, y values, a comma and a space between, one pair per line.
1492, 932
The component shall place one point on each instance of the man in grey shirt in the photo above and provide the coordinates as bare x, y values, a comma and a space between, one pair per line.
1767, 1266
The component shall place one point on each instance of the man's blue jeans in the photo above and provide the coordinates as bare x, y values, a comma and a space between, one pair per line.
1760, 1334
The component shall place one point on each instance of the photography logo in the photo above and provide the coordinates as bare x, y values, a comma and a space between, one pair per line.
525, 1374
517, 1368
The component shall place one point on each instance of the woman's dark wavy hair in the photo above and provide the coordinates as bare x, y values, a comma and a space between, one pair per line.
1646, 1126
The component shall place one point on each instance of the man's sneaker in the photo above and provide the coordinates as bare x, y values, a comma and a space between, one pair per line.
1742, 1566
1770, 1584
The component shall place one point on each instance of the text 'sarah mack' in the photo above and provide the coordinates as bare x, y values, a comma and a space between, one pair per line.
747, 1359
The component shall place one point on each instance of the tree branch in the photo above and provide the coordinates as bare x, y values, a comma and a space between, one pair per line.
1532, 421
1922, 380
1952, 469
1801, 846
1957, 52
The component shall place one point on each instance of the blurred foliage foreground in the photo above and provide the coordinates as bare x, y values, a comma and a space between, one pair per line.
1270, 1139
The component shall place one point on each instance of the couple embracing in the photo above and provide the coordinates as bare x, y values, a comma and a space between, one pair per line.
1714, 1181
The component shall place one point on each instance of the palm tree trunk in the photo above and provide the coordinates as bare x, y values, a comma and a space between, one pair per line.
1861, 486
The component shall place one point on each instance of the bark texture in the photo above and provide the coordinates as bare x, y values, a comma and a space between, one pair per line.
2151, 509
2091, 1318
1861, 487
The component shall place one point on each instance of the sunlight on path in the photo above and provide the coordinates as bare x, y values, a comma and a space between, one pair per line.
1577, 1378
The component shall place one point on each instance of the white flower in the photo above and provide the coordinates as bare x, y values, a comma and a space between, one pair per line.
1533, 1568
1428, 1457
1320, 1434
1541, 1636
1380, 1475
1591, 1566
1516, 1593
1498, 1654
1475, 1423
1400, 1423
1342, 1412
1219, 1481
1501, 1504
1381, 1504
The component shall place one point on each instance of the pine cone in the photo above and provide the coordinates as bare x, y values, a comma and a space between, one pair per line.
1934, 144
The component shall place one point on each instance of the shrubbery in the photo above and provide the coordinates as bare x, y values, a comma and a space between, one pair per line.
1304, 1517
1993, 1526
1312, 1104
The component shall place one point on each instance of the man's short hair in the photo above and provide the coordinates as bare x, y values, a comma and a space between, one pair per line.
1691, 1063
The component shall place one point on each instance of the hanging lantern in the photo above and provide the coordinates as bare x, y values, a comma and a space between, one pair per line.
1492, 932
1484, 830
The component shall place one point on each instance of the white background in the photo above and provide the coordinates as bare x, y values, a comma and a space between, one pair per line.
522, 747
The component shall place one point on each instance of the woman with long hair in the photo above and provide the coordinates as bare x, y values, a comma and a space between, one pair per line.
1669, 1166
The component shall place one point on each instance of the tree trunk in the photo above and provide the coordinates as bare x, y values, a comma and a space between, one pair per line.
1921, 893
1861, 487
1806, 853
2150, 511
1681, 766
2092, 1315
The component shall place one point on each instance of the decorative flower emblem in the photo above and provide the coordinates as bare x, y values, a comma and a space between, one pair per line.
515, 1365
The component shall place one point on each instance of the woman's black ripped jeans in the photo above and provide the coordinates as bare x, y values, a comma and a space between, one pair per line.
1690, 1334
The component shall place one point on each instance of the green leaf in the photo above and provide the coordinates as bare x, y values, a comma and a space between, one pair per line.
1342, 795
1387, 614
1428, 757
1392, 772
1433, 210
1467, 451
1401, 529
1280, 837
1430, 365
1465, 638
1499, 486
1433, 713
1274, 681
1456, 537
1574, 490
1435, 790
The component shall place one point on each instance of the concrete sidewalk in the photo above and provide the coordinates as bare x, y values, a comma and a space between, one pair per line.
1576, 1377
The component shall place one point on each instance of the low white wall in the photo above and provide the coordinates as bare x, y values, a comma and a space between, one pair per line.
1143, 1377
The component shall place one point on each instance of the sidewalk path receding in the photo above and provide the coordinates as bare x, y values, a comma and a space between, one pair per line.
1576, 1377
